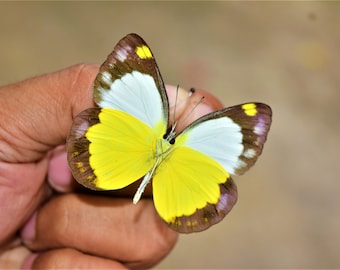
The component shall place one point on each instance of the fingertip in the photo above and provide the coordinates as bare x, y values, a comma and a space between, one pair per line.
209, 99
190, 105
179, 99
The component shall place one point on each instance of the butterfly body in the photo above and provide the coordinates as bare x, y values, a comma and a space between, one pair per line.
129, 137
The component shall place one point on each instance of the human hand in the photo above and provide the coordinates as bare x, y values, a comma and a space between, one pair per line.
68, 230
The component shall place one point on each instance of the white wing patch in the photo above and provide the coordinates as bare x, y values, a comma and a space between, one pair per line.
135, 93
220, 138
249, 153
106, 77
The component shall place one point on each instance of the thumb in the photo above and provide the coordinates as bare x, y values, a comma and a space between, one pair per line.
36, 114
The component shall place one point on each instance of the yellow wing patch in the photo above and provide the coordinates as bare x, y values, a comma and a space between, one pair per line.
80, 166
121, 149
249, 109
179, 188
143, 52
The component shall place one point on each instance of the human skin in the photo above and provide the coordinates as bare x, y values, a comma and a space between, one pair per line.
44, 221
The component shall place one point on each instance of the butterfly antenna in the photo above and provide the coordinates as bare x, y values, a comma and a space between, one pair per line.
172, 134
193, 108
175, 107
145, 181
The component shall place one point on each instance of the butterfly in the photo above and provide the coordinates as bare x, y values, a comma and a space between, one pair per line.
128, 137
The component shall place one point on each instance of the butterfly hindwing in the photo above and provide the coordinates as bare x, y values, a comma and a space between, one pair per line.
209, 215
78, 148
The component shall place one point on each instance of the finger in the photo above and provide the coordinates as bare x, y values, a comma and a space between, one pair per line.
13, 258
37, 113
67, 258
22, 189
102, 226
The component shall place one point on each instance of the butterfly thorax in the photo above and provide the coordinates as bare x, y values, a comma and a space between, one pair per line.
163, 149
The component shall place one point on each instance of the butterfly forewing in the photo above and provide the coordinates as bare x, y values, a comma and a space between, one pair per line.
129, 80
238, 134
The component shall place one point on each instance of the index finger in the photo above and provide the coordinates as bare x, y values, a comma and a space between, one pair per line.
104, 227
37, 113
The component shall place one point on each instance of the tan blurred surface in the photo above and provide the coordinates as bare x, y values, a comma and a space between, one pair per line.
283, 54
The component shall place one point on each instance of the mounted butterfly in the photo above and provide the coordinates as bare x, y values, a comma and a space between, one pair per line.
127, 137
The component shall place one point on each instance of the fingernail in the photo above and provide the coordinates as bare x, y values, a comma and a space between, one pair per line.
28, 262
28, 231
59, 174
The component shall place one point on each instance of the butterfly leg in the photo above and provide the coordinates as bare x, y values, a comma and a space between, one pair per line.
145, 181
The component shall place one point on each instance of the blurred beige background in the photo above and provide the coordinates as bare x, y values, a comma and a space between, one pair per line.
284, 54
